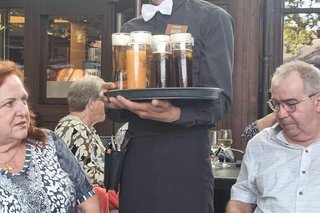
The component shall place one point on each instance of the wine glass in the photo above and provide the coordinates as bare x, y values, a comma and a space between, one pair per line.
225, 142
214, 137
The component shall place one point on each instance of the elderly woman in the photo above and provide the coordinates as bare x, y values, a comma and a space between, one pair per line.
38, 173
76, 129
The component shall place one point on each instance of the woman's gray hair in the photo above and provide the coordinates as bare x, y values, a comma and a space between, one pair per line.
309, 74
83, 90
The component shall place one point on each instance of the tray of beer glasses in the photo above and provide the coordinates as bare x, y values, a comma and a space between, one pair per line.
169, 93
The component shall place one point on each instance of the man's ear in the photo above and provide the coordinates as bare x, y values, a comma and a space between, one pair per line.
317, 100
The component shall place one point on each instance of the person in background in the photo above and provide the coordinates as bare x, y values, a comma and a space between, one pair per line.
258, 125
279, 171
167, 163
38, 173
77, 131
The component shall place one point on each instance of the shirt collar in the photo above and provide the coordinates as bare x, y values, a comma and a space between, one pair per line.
279, 136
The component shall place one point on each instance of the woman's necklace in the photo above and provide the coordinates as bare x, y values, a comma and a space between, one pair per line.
7, 165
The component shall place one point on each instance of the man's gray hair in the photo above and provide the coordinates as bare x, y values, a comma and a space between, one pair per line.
308, 73
82, 91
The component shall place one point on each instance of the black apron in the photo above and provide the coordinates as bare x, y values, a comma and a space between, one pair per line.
166, 169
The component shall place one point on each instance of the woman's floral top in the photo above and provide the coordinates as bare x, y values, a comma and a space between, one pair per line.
85, 144
250, 131
51, 180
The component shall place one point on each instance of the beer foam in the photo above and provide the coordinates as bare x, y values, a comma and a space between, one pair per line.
156, 38
141, 37
121, 39
161, 46
181, 37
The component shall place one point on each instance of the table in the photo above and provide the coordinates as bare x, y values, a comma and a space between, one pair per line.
224, 178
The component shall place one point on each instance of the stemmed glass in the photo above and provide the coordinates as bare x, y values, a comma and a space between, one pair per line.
225, 142
214, 137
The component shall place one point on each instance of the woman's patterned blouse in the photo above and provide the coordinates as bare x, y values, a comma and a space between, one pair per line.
51, 180
250, 131
85, 144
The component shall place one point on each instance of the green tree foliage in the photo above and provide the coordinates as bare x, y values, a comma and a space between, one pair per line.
299, 3
300, 28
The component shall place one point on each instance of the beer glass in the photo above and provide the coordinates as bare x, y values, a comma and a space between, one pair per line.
182, 59
138, 60
120, 43
161, 64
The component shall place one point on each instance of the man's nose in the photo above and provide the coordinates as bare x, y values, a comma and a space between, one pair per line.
282, 112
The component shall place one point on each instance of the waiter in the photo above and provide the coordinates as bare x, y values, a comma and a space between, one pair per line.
167, 164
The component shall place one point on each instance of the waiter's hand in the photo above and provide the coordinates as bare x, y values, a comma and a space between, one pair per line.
105, 87
158, 110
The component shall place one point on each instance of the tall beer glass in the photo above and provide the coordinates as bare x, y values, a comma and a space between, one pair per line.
138, 60
182, 59
161, 65
120, 43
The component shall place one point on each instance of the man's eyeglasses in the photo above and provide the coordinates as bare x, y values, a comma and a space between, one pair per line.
290, 105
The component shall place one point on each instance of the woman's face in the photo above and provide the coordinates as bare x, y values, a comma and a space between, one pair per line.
14, 111
98, 114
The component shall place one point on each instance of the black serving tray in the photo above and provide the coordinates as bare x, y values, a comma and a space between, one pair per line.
193, 93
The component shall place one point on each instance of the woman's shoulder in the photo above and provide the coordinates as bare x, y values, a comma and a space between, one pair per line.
51, 135
70, 121
68, 125
53, 139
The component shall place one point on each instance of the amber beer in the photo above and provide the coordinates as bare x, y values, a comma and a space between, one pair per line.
182, 59
119, 58
161, 69
138, 60
137, 67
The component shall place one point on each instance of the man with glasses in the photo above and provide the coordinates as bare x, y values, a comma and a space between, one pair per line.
281, 167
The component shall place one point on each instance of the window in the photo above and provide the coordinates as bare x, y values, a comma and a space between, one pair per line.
73, 51
302, 4
12, 35
301, 31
